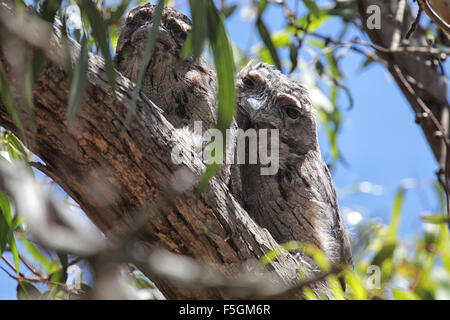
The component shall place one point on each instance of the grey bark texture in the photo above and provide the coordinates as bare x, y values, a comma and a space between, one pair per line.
298, 202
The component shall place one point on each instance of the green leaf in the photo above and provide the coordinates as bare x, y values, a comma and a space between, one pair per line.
333, 67
199, 26
59, 276
293, 55
101, 36
228, 11
8, 101
385, 253
152, 35
13, 142
27, 291
404, 295
313, 22
310, 250
312, 7
64, 259
38, 256
79, 80
366, 63
396, 210
5, 231
48, 9
335, 286
359, 291
224, 63
265, 36
309, 294
6, 227
117, 12
262, 5
14, 251
436, 219
144, 284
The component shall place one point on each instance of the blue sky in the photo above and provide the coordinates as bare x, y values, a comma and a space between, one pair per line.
379, 140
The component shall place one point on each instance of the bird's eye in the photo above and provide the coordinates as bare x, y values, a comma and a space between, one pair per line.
292, 112
248, 82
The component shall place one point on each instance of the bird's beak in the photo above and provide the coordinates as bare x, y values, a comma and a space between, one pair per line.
251, 106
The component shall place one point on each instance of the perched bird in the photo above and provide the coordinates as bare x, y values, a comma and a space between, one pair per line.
186, 92
298, 202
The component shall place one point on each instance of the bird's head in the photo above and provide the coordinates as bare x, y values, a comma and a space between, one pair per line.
267, 99
132, 39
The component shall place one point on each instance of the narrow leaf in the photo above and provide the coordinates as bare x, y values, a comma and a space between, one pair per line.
100, 33
312, 7
199, 26
265, 36
79, 80
396, 210
224, 63
8, 101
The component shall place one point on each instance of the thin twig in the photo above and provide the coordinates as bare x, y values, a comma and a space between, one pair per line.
30, 267
415, 23
11, 265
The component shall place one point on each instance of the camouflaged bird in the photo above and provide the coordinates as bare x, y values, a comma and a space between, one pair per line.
299, 201
186, 92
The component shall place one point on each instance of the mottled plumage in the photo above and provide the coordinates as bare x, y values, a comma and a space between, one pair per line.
299, 202
186, 92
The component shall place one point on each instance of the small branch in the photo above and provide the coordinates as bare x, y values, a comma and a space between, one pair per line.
396, 36
11, 266
415, 23
424, 110
30, 267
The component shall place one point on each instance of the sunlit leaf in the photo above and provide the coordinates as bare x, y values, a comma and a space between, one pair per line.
309, 294
396, 210
335, 286
310, 250
265, 36
199, 26
13, 142
27, 291
100, 33
293, 55
117, 12
312, 7
436, 219
404, 295
228, 11
59, 276
38, 256
385, 253
359, 291
48, 9
224, 63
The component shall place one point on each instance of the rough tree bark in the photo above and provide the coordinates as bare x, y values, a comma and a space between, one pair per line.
113, 176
